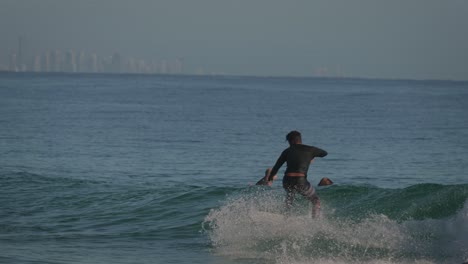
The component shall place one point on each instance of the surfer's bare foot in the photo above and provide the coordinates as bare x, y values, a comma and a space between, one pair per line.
316, 209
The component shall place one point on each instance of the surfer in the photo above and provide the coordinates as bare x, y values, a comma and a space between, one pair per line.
298, 158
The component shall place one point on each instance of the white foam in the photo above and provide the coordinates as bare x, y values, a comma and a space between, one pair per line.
254, 227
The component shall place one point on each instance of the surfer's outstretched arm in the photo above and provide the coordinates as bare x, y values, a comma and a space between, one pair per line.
281, 160
267, 176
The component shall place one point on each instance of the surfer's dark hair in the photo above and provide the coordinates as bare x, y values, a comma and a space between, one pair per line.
294, 137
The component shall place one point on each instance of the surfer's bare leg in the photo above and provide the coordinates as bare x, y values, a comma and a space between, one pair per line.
315, 206
311, 194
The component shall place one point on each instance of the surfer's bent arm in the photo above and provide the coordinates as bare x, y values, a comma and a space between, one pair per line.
281, 160
319, 152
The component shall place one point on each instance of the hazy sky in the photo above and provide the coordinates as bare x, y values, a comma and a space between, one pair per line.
417, 39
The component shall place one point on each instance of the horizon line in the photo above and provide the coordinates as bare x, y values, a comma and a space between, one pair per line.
235, 76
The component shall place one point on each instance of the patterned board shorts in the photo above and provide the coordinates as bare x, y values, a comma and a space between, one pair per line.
300, 185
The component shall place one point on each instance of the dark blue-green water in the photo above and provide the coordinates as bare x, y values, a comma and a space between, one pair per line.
159, 169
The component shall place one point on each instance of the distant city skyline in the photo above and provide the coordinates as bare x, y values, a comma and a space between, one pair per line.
71, 61
24, 59
398, 39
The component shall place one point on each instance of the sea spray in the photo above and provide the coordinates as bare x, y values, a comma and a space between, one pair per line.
254, 225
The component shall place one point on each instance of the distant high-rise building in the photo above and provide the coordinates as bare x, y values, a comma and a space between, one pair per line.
93, 63
13, 63
46, 62
105, 64
19, 59
163, 69
116, 63
81, 65
143, 67
131, 66
177, 67
200, 71
70, 62
321, 72
52, 61
56, 61
154, 66
37, 63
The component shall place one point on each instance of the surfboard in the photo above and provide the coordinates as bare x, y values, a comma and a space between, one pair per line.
262, 181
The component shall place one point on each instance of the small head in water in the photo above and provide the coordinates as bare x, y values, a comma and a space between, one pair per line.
325, 181
294, 137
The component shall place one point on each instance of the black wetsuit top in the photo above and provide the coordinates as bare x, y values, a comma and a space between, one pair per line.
298, 158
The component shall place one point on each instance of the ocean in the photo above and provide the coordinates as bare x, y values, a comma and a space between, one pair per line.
161, 169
